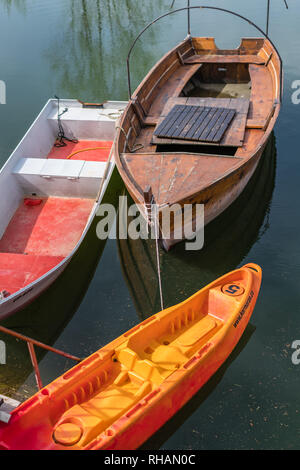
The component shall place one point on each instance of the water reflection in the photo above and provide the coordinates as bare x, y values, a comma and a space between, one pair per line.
89, 58
47, 317
19, 5
228, 240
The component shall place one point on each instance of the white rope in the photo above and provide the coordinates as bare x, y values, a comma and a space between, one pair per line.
157, 257
131, 149
113, 115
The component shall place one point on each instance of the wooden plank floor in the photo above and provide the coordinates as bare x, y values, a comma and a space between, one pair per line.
174, 176
201, 123
223, 59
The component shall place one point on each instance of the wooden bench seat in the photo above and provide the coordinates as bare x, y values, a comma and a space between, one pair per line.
175, 85
225, 59
261, 101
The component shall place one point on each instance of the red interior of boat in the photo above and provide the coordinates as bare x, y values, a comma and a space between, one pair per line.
100, 152
38, 237
43, 231
51, 228
19, 270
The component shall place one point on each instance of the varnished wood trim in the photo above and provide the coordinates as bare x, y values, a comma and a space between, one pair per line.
185, 153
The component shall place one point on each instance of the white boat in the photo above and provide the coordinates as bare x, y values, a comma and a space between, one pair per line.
50, 190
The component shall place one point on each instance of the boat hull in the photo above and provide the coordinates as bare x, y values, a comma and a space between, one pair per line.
215, 200
163, 409
120, 395
159, 148
180, 390
31, 292
54, 197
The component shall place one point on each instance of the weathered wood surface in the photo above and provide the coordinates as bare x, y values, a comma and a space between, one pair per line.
176, 83
247, 46
149, 91
176, 176
262, 96
223, 59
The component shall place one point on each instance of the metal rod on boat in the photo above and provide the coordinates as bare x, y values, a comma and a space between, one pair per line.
209, 8
268, 13
189, 17
35, 365
148, 197
30, 343
268, 17
39, 344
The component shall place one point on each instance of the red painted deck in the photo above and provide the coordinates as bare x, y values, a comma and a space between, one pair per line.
101, 153
19, 270
38, 237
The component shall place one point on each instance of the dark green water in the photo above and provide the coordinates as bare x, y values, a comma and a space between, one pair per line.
77, 49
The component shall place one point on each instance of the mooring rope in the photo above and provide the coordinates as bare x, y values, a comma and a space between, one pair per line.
131, 149
158, 261
114, 115
153, 221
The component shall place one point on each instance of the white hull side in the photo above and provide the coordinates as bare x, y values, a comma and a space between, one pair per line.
26, 295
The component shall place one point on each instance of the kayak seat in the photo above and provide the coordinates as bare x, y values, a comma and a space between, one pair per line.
168, 357
154, 367
196, 333
132, 362
177, 336
93, 416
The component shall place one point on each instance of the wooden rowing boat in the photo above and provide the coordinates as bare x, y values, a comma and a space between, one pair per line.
50, 192
195, 128
228, 240
120, 395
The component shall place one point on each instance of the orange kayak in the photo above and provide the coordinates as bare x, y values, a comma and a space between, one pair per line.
120, 395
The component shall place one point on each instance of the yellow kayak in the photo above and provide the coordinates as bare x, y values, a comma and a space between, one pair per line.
120, 395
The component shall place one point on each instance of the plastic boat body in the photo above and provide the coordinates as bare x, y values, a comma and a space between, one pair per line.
120, 395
